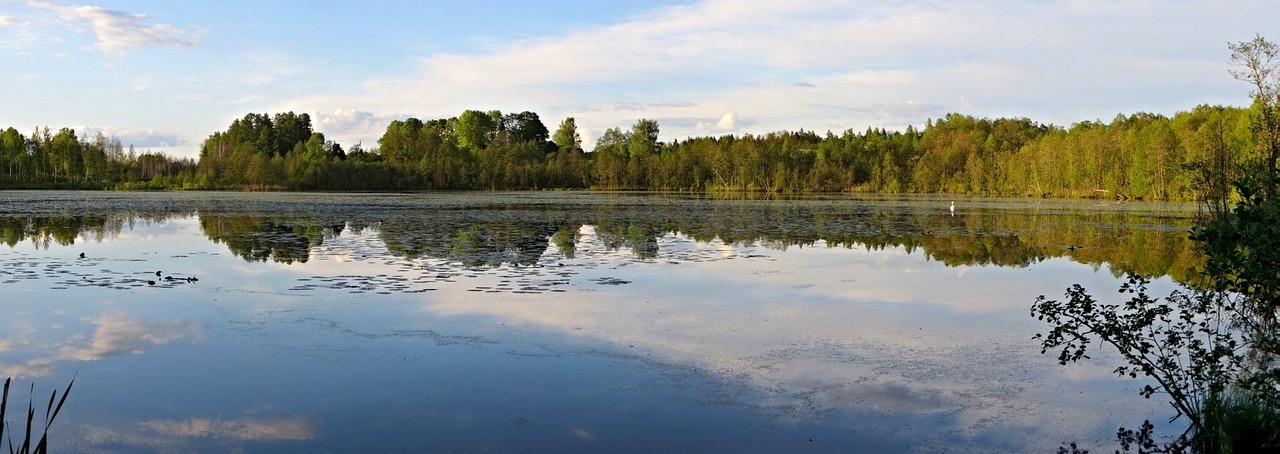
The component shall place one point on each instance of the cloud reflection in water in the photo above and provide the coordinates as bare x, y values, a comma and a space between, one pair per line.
115, 334
887, 340
242, 429
193, 434
822, 331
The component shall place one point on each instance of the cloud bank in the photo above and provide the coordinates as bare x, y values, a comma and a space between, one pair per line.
119, 32
859, 64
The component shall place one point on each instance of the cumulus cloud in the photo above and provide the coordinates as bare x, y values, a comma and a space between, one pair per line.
706, 44
119, 32
345, 122
831, 64
727, 122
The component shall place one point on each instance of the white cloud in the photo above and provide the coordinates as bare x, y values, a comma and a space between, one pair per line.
811, 64
139, 138
16, 35
345, 121
859, 64
727, 122
119, 32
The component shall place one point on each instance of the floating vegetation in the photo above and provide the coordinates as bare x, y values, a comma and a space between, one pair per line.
437, 240
610, 281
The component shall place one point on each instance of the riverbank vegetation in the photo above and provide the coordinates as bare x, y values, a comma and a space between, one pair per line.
1140, 156
1212, 348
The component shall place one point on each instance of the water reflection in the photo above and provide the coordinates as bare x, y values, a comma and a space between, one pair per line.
193, 434
115, 333
257, 238
64, 229
572, 323
244, 429
1129, 241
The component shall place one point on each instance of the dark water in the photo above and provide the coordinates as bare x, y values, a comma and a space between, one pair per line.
566, 322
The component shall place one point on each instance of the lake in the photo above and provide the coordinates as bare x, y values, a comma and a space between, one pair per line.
567, 322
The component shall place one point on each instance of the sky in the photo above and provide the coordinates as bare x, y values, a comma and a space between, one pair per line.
164, 75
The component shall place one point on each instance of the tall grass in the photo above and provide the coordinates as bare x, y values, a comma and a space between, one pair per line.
50, 414
1236, 422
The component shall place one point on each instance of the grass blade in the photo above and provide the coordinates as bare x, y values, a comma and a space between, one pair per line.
31, 418
43, 446
51, 413
40, 446
61, 401
4, 403
49, 407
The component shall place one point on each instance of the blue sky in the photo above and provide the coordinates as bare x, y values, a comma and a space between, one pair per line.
163, 75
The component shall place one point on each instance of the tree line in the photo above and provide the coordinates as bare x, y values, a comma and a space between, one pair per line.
62, 159
1211, 347
1138, 156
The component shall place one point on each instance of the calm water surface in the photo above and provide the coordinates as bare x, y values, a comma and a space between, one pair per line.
549, 322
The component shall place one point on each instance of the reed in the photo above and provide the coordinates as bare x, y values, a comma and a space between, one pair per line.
51, 412
1237, 422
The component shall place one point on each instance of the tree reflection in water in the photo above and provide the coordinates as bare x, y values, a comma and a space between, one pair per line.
1144, 242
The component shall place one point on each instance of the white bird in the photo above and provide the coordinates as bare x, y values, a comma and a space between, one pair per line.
953, 207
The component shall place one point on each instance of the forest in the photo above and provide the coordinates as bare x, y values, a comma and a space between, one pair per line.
64, 160
1141, 156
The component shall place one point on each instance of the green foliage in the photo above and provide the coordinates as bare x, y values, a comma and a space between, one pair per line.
1179, 341
1213, 347
523, 127
474, 130
1214, 341
64, 161
566, 136
1243, 250
1139, 156
1238, 423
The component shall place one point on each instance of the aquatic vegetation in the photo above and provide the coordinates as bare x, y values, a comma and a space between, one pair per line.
50, 415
